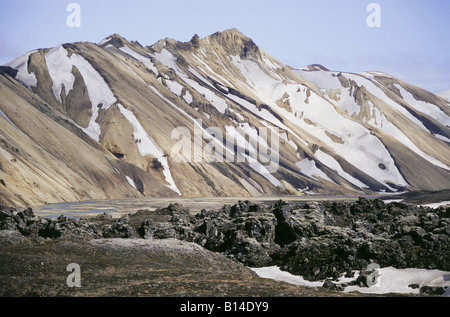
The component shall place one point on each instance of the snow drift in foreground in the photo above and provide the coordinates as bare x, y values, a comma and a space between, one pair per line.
391, 280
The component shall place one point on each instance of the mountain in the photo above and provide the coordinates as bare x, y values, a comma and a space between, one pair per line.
117, 119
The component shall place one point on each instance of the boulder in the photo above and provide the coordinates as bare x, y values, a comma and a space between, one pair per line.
432, 290
329, 284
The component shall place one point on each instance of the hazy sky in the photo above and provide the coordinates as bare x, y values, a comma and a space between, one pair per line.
413, 42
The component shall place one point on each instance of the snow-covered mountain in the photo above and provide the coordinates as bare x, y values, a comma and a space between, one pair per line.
110, 120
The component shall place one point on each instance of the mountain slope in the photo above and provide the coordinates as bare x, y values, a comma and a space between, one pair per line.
117, 119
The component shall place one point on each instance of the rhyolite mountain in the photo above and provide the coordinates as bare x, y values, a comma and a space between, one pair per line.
101, 120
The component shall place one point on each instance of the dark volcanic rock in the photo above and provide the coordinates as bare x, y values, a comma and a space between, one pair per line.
9, 71
328, 284
432, 290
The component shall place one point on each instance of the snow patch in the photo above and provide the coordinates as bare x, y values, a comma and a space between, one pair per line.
271, 64
362, 149
380, 121
329, 161
188, 97
196, 122
391, 280
209, 95
60, 70
322, 79
430, 109
167, 58
175, 87
389, 201
144, 60
347, 102
131, 182
309, 168
443, 138
242, 144
21, 65
147, 146
211, 72
237, 114
255, 184
379, 93
104, 41
437, 205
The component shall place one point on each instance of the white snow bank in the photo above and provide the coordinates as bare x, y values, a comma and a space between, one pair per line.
211, 72
390, 280
428, 108
144, 60
380, 121
380, 94
437, 205
322, 79
274, 273
105, 40
360, 148
188, 97
329, 161
388, 201
255, 141
131, 182
393, 280
167, 59
175, 87
60, 69
443, 138
209, 95
309, 168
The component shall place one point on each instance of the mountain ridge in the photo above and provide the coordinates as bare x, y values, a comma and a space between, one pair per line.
119, 103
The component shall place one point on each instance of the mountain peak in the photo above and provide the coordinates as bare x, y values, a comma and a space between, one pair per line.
235, 43
114, 39
230, 32
230, 36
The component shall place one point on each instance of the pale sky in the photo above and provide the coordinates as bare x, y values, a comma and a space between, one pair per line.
412, 43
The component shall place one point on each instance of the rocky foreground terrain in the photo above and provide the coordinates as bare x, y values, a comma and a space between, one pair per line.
170, 252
